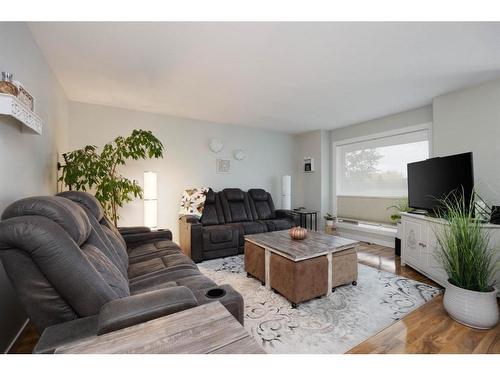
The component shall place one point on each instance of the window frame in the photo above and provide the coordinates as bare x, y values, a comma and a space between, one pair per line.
372, 137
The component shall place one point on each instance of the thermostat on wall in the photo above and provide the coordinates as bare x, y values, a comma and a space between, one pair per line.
308, 164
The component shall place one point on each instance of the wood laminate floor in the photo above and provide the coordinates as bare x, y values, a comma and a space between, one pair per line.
428, 329
425, 330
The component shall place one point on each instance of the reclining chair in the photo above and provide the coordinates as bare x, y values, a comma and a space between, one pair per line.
227, 217
77, 276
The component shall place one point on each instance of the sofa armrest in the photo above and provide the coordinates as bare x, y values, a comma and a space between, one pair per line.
144, 237
133, 230
289, 215
191, 219
190, 237
66, 333
128, 311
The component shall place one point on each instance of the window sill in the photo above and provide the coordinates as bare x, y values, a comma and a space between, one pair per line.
369, 197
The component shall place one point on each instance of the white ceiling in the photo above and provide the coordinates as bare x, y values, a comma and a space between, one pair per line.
288, 77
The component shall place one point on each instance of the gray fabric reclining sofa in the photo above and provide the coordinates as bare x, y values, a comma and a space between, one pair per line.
77, 275
227, 217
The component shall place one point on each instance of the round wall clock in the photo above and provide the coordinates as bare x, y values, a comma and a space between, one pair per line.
215, 144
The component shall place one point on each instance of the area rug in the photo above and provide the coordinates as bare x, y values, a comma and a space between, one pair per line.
331, 324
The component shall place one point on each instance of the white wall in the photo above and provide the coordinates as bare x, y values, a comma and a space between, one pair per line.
469, 120
187, 161
27, 161
312, 189
370, 209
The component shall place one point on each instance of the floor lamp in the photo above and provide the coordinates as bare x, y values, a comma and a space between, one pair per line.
286, 192
150, 200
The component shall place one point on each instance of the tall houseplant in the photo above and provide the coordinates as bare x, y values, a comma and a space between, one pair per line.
87, 169
467, 258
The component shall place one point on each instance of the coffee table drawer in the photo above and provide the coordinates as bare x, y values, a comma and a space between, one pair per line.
299, 281
344, 267
255, 261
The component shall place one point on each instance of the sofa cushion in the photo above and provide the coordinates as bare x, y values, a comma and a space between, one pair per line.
234, 194
217, 237
107, 270
163, 264
261, 204
150, 250
69, 215
108, 224
85, 199
164, 275
148, 285
196, 282
212, 211
251, 227
248, 227
103, 239
277, 224
172, 260
258, 195
235, 205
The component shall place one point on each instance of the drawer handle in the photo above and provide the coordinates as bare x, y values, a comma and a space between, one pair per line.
422, 244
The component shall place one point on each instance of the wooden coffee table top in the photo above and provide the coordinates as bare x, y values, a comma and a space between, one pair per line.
314, 245
203, 329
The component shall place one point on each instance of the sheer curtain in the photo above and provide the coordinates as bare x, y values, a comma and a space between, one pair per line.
378, 167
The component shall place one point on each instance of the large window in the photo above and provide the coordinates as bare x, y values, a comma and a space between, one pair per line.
377, 167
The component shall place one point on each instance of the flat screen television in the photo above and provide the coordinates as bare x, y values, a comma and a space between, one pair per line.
435, 178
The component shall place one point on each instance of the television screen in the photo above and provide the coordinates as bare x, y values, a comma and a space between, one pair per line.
434, 178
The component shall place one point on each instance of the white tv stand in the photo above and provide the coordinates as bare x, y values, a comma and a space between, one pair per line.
420, 248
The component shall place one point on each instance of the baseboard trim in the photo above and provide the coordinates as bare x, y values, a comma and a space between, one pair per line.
16, 337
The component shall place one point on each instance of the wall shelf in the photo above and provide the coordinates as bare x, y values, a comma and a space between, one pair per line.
11, 106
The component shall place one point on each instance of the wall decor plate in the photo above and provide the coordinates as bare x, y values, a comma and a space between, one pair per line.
215, 144
239, 154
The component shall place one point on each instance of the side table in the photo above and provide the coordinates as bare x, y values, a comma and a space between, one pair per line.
304, 215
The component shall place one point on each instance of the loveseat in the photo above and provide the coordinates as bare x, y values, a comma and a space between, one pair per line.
77, 275
227, 217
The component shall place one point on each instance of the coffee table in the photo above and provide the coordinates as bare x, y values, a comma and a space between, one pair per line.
301, 269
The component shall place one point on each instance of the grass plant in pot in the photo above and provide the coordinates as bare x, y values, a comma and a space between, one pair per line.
467, 258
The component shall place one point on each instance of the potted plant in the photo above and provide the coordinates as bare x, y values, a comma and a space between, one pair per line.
402, 206
467, 258
87, 169
330, 219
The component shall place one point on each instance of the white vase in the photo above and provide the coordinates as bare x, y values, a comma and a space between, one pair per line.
474, 309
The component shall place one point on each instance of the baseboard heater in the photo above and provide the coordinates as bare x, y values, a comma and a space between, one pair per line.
377, 233
349, 221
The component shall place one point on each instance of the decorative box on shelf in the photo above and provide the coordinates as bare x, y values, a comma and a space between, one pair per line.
12, 106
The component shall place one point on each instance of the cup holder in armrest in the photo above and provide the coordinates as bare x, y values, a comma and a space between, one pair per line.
215, 293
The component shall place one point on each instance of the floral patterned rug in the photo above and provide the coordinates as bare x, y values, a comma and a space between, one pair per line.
327, 325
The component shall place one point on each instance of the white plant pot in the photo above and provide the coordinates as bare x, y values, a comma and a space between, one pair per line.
329, 223
474, 309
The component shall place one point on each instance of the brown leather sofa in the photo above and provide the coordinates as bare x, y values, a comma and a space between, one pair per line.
227, 217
